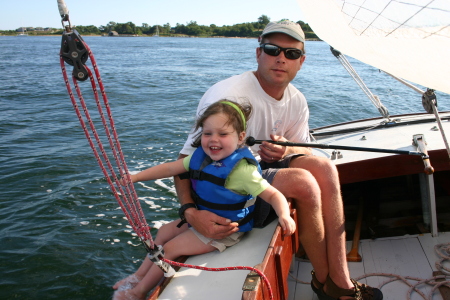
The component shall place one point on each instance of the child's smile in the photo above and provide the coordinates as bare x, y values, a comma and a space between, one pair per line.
219, 138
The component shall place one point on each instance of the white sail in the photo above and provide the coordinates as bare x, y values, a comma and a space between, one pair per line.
409, 39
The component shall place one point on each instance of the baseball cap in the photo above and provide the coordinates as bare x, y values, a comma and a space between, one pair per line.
287, 27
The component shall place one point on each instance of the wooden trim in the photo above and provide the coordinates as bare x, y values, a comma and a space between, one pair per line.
276, 265
391, 166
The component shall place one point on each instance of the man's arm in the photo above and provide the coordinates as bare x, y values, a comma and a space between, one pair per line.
205, 222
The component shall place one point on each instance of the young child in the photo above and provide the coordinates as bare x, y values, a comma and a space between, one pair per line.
231, 181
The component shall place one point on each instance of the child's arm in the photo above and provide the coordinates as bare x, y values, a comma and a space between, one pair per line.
160, 171
279, 203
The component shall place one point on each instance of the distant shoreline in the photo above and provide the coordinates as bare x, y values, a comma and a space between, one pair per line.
150, 36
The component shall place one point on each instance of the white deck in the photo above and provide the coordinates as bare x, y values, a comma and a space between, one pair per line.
377, 138
196, 284
406, 256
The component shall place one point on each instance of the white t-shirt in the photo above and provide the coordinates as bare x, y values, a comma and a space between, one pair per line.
287, 117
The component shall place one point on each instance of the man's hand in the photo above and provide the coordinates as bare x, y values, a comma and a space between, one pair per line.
209, 224
271, 152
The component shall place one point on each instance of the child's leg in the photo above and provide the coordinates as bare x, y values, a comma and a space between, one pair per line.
186, 243
165, 233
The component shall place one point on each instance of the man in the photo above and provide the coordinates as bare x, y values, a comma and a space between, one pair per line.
280, 113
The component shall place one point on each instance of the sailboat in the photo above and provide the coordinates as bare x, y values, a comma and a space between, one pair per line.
23, 33
382, 191
157, 31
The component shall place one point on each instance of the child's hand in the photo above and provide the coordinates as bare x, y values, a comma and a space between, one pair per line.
124, 180
288, 224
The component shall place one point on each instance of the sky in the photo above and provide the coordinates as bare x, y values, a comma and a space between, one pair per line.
45, 13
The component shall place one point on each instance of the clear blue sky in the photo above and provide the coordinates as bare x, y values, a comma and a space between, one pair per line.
44, 13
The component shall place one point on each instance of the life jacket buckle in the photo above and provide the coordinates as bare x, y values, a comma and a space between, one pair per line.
197, 175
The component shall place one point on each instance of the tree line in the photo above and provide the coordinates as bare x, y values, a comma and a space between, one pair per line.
192, 28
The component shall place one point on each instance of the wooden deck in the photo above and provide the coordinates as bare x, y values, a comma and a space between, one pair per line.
406, 256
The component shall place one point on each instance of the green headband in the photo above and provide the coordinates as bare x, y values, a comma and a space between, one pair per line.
238, 110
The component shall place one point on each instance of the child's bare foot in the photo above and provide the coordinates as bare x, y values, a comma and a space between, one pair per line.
127, 283
126, 295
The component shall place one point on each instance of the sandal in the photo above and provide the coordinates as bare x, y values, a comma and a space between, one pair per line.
316, 285
360, 292
367, 292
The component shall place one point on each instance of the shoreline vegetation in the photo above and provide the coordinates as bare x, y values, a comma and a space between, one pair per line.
191, 29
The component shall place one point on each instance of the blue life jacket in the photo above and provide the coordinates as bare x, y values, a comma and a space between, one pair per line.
208, 187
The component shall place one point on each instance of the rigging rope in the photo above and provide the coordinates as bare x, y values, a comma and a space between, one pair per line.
374, 98
125, 195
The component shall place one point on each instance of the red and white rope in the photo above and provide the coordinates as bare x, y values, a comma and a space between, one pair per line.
125, 195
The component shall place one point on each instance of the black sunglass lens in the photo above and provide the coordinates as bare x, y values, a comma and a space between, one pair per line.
292, 54
271, 50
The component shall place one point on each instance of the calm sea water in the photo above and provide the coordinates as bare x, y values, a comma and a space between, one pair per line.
62, 234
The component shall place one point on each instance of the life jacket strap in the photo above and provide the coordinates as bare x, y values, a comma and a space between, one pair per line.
200, 175
246, 219
222, 206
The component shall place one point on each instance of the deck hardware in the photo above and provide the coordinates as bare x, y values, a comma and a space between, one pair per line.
427, 192
363, 138
75, 54
353, 255
156, 255
434, 128
251, 282
421, 144
429, 101
336, 155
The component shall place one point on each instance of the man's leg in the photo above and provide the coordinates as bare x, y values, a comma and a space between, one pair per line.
326, 176
301, 187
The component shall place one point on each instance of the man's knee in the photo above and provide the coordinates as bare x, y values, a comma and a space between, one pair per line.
299, 185
317, 165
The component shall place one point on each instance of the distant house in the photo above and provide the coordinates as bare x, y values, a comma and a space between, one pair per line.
113, 33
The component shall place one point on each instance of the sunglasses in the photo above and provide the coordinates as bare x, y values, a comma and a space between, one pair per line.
274, 50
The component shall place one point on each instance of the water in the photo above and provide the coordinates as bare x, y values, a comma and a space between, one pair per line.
62, 233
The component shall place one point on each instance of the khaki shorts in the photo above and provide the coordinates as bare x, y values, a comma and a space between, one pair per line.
222, 244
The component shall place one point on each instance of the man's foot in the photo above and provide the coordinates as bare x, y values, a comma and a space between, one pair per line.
127, 283
360, 291
126, 295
